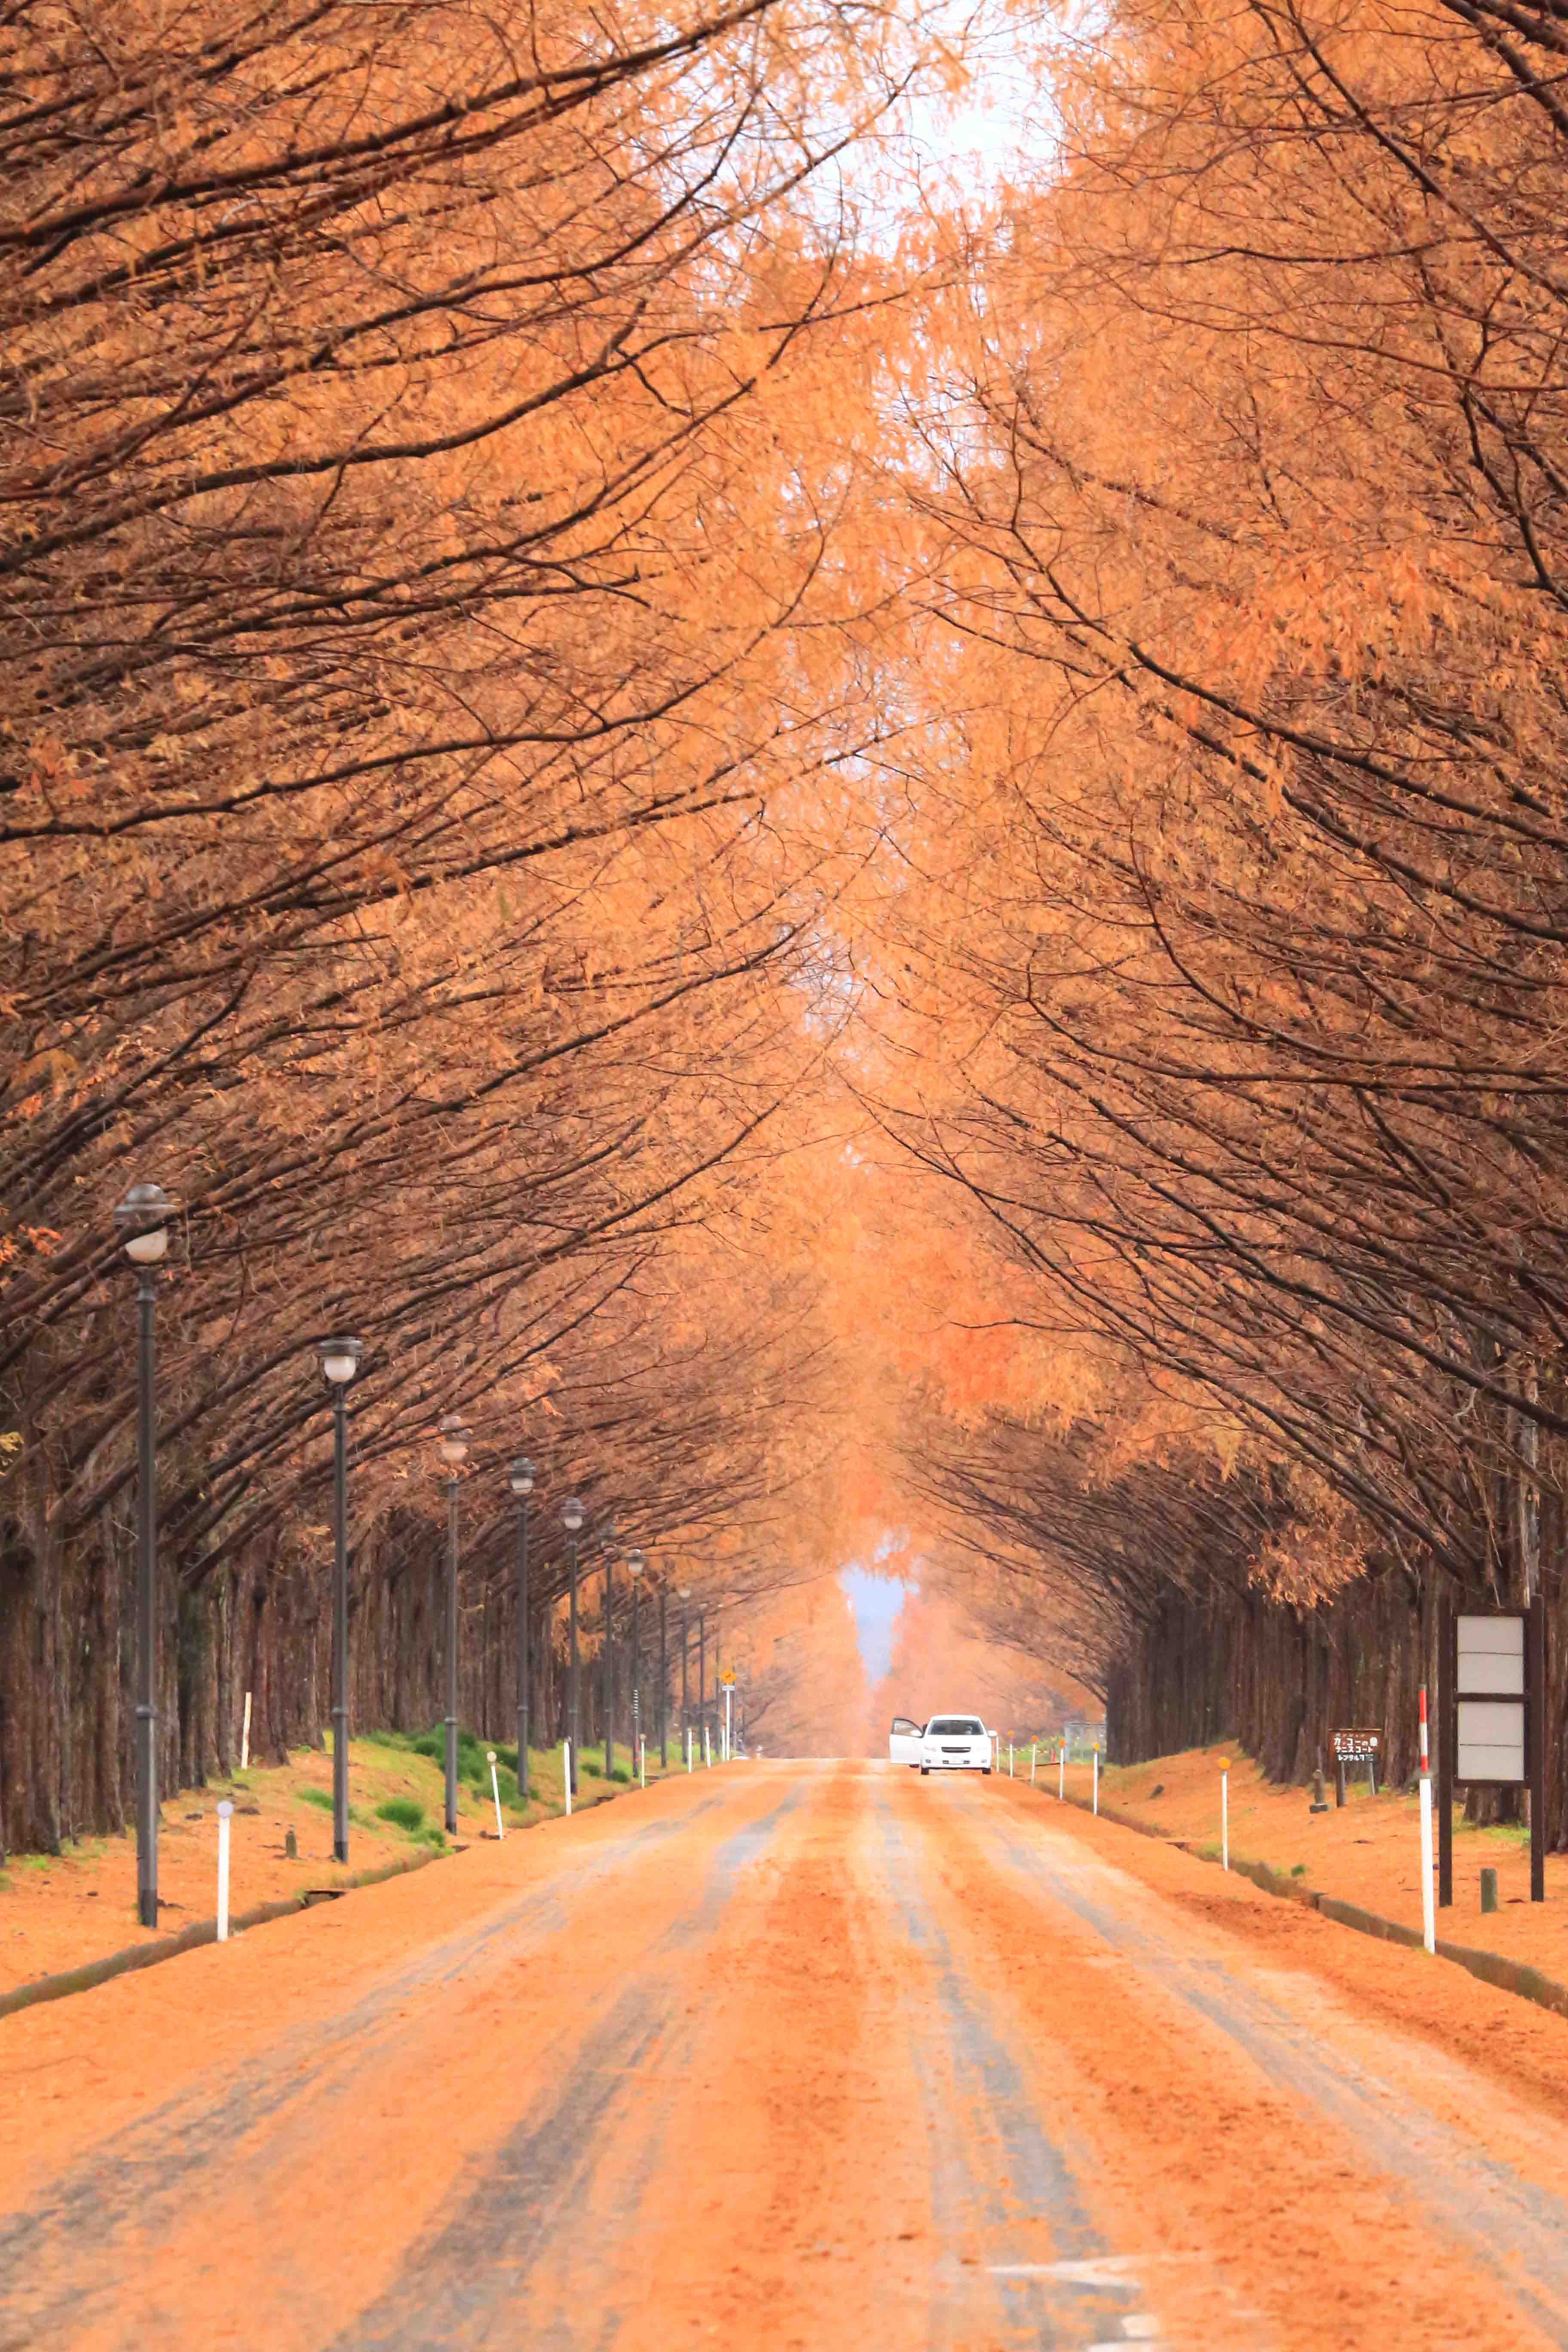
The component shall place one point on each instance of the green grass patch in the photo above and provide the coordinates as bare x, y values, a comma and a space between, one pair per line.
403, 1813
1298, 1870
319, 1797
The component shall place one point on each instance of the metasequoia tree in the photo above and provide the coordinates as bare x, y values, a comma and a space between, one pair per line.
432, 607
1229, 969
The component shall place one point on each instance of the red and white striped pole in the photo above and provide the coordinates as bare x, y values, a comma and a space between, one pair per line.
1428, 1926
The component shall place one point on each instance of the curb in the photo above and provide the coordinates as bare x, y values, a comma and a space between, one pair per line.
1507, 1976
201, 1931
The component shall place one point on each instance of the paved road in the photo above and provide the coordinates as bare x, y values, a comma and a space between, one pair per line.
789, 2056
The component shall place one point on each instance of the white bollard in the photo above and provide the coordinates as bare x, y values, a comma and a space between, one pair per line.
707, 1747
1096, 1778
495, 1790
225, 1816
245, 1737
566, 1773
1225, 1813
642, 1761
1033, 1744
689, 1737
1011, 1774
1428, 1926
1062, 1773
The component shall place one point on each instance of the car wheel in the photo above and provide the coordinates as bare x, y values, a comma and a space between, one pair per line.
924, 1770
987, 1770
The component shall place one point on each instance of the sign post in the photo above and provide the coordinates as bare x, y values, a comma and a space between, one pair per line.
1445, 1755
1538, 1749
225, 1816
1428, 1932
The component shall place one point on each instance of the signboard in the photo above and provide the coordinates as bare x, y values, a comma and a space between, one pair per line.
1489, 1731
727, 1678
1490, 1747
1357, 1746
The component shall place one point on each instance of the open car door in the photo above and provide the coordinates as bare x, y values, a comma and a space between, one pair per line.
904, 1741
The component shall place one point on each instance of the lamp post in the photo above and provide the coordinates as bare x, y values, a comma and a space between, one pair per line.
572, 1520
701, 1671
141, 1220
685, 1591
607, 1669
636, 1564
453, 1453
663, 1676
339, 1361
520, 1478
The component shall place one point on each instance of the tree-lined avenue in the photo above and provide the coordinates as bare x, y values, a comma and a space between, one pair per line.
819, 2054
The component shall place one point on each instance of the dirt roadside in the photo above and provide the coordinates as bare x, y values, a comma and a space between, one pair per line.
1367, 1852
61, 1911
1523, 2047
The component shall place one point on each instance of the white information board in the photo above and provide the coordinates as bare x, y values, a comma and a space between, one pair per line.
1491, 1656
1489, 1692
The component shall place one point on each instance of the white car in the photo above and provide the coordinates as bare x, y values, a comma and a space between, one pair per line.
904, 1741
955, 1743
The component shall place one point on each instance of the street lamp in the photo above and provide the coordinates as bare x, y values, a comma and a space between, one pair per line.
685, 1591
520, 1478
572, 1520
607, 1668
455, 1435
663, 1675
339, 1361
636, 1564
141, 1220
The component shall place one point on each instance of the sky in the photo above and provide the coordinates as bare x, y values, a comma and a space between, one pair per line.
876, 1602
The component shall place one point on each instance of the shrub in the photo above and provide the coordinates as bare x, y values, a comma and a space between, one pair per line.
403, 1813
322, 1796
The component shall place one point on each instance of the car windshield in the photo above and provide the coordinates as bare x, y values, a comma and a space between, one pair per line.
955, 1727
